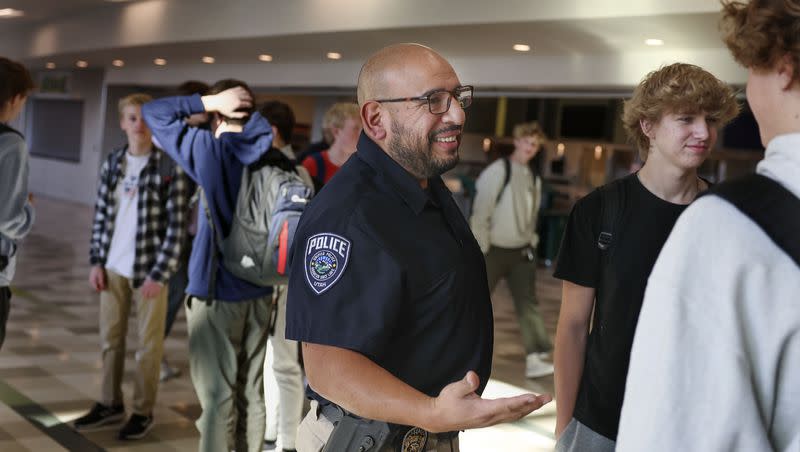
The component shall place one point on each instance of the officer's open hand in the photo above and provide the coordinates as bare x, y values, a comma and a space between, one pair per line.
229, 103
459, 407
97, 278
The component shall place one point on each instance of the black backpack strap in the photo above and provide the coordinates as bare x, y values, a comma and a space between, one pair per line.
770, 205
506, 178
6, 129
612, 203
317, 156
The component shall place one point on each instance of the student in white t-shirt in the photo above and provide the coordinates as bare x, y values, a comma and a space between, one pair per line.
138, 231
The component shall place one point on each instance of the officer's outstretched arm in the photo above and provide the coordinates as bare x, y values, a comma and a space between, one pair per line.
360, 386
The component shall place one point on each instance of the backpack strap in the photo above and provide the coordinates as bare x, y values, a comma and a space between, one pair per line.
506, 178
612, 203
770, 205
320, 161
6, 129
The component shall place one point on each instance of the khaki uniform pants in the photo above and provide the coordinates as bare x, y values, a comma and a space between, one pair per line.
227, 341
315, 430
115, 309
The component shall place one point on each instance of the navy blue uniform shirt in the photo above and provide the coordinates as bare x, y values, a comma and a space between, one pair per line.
387, 269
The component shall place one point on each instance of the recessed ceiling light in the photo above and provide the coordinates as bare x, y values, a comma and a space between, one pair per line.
160, 62
521, 47
82, 63
208, 59
654, 42
10, 12
118, 63
50, 65
334, 55
265, 57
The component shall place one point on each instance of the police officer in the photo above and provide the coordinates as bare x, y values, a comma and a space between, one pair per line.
388, 287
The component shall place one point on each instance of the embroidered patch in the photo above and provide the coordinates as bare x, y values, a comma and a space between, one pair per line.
326, 258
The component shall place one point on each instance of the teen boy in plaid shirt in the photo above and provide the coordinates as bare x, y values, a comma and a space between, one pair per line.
139, 227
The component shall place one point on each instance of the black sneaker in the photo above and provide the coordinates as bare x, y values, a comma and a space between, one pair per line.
99, 416
136, 427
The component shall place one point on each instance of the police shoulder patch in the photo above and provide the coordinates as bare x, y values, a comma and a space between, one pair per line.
325, 260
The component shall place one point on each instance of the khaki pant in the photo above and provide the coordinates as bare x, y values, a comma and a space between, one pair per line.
226, 357
115, 309
315, 430
520, 274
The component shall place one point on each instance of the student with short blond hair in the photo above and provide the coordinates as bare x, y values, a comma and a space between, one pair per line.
343, 123
504, 218
613, 238
137, 235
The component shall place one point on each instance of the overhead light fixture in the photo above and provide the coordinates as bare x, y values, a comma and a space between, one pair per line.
50, 65
82, 63
521, 47
654, 42
208, 60
160, 62
598, 152
118, 63
8, 13
265, 57
334, 55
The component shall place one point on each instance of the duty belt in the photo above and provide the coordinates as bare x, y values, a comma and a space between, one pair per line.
401, 438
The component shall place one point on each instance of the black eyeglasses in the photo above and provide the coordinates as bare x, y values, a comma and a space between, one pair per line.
439, 101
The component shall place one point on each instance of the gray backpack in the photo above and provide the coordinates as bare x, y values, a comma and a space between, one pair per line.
269, 204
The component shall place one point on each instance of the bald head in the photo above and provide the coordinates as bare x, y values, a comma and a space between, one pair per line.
395, 66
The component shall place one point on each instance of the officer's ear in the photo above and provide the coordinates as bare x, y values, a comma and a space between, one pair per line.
372, 118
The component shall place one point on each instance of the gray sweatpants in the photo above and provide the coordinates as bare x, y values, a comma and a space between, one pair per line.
579, 438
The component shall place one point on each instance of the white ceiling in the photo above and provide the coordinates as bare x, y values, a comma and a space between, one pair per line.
572, 35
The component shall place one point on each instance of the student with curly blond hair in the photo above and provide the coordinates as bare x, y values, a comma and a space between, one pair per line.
716, 358
613, 238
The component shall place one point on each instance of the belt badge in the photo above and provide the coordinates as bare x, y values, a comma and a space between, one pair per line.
415, 440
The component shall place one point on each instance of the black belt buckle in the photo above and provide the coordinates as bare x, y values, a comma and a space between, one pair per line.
414, 440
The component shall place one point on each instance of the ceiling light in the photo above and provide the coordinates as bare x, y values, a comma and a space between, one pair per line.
208, 59
10, 12
160, 62
598, 152
118, 63
50, 65
334, 55
521, 47
654, 42
82, 63
265, 57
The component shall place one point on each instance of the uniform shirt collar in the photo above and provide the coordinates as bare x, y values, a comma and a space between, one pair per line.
400, 180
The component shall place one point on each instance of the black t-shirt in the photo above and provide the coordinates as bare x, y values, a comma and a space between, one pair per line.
619, 279
392, 271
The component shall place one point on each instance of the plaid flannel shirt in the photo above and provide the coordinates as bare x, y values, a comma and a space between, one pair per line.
161, 217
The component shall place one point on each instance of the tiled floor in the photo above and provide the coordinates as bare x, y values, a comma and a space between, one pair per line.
49, 365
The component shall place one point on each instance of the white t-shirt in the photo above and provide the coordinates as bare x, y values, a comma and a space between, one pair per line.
122, 252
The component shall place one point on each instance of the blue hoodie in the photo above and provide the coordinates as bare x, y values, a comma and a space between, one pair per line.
216, 164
